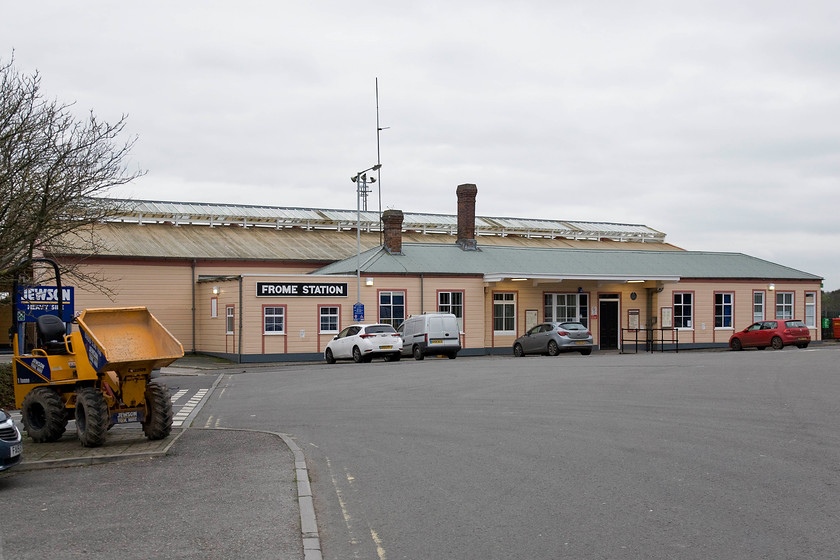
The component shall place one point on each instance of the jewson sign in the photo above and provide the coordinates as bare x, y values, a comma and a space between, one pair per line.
33, 301
301, 289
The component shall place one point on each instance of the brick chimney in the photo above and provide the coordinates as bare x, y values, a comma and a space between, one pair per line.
466, 216
392, 221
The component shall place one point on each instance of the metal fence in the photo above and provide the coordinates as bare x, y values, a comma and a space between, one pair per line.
651, 340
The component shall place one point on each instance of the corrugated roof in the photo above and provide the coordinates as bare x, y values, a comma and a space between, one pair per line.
295, 244
208, 214
496, 263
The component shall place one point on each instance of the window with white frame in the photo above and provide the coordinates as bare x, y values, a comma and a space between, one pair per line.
392, 308
328, 319
504, 313
723, 310
452, 302
784, 305
683, 310
274, 320
758, 306
214, 308
567, 307
811, 309
229, 320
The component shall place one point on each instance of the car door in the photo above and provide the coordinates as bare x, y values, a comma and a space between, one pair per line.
344, 344
534, 341
751, 335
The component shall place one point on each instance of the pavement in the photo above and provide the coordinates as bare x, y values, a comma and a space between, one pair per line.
128, 443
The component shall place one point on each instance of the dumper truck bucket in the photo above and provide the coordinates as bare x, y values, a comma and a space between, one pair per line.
126, 338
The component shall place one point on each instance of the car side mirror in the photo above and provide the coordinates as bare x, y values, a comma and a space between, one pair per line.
335, 337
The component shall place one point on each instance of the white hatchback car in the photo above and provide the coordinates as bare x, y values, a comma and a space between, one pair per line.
363, 342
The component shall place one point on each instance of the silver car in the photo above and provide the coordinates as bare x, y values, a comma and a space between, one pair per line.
11, 447
553, 338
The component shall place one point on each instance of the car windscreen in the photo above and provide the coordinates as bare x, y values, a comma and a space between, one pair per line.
379, 329
793, 324
572, 326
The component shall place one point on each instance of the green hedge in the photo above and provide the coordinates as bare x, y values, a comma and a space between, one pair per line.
7, 391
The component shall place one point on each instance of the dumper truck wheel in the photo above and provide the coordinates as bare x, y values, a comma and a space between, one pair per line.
92, 417
43, 415
158, 422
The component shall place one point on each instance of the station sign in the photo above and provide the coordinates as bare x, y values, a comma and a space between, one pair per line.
302, 289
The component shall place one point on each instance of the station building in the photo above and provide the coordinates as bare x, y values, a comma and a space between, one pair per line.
255, 283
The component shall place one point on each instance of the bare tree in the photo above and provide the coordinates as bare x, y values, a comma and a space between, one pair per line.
55, 171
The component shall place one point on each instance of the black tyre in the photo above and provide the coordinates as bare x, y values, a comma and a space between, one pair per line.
586, 352
328, 356
518, 351
158, 421
553, 349
44, 415
92, 417
357, 355
736, 344
777, 343
395, 357
805, 345
418, 353
452, 355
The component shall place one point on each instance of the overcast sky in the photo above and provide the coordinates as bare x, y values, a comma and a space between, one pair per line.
717, 123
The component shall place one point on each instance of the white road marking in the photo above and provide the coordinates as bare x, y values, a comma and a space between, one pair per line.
188, 408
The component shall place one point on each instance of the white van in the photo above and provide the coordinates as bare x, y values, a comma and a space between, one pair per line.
430, 334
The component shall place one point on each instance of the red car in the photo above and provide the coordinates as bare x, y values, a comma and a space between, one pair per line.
778, 334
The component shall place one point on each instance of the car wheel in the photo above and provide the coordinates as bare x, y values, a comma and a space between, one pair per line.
357, 355
586, 352
553, 349
518, 351
736, 344
328, 356
452, 355
418, 353
802, 345
777, 343
395, 357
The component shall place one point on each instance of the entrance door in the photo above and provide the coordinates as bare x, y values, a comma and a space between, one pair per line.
608, 326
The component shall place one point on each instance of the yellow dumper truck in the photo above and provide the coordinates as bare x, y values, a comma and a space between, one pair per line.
99, 374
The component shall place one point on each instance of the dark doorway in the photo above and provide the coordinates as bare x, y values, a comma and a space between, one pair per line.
608, 322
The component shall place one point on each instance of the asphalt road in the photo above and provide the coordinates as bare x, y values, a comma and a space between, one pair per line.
694, 455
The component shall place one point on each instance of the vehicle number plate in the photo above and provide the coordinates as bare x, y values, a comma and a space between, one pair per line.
385, 347
16, 450
580, 342
436, 341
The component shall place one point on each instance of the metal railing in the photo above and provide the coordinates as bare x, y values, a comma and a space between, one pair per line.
652, 340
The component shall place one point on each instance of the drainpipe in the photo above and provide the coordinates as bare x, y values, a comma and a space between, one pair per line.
193, 305
422, 308
241, 313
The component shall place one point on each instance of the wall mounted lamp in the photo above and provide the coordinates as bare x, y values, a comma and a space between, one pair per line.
216, 290
368, 281
771, 287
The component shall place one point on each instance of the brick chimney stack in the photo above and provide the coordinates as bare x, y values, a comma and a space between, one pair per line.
466, 216
392, 221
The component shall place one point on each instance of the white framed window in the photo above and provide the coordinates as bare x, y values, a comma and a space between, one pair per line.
811, 310
567, 307
784, 305
328, 319
230, 323
392, 308
758, 306
452, 302
723, 310
683, 310
274, 320
504, 313
214, 307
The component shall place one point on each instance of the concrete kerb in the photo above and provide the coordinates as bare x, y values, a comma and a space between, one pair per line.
308, 520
